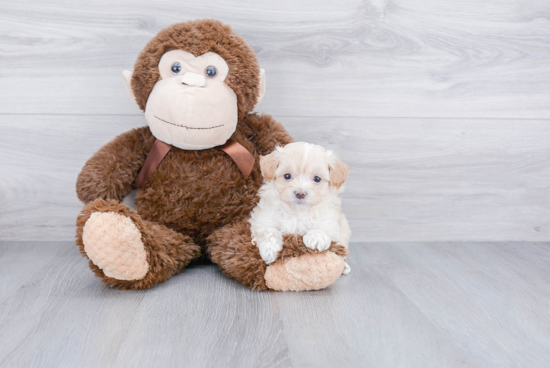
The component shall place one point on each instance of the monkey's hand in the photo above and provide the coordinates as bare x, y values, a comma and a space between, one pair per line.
111, 171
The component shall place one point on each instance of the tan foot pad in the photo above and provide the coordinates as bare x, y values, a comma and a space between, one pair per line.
113, 243
311, 271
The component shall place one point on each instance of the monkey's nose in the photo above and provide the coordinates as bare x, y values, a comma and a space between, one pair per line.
300, 194
193, 79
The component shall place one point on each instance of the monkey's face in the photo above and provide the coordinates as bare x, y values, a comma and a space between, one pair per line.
195, 95
191, 107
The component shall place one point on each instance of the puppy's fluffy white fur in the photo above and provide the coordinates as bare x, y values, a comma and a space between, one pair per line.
300, 196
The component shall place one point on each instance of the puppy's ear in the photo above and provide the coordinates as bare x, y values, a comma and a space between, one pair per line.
337, 169
269, 163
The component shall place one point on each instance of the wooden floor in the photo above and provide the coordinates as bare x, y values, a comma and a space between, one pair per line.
403, 305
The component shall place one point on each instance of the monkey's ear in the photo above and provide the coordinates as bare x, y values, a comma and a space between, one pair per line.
269, 163
127, 76
261, 86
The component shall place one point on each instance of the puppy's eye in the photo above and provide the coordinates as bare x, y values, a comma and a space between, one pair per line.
211, 71
288, 176
317, 179
176, 68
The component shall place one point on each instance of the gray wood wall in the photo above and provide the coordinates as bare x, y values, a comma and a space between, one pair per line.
441, 108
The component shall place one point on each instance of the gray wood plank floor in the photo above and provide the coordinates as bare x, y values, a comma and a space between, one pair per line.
403, 305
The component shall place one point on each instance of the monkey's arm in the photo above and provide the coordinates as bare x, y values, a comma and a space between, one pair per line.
110, 172
266, 133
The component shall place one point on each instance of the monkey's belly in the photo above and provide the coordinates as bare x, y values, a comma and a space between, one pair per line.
198, 196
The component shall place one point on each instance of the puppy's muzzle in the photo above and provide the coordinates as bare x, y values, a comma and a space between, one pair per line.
300, 194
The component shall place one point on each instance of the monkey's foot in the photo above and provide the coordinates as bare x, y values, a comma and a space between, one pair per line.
128, 252
113, 243
296, 267
299, 268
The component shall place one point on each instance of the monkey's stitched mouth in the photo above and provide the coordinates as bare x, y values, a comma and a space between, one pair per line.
186, 127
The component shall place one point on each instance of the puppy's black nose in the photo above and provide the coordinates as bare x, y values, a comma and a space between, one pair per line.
300, 195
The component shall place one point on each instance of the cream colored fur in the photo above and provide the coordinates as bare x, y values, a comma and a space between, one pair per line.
113, 243
317, 216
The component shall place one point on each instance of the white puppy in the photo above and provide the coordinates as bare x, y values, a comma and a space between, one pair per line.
300, 196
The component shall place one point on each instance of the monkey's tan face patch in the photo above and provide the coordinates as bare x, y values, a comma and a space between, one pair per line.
192, 107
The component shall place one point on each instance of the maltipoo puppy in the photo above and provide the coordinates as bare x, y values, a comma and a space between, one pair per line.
300, 196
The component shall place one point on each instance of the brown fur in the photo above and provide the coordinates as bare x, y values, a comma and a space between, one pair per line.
111, 171
232, 250
193, 192
190, 192
294, 247
199, 37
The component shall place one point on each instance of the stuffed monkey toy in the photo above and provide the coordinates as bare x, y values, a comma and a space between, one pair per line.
196, 167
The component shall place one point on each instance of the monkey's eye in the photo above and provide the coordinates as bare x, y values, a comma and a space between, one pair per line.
211, 71
176, 68
317, 179
288, 176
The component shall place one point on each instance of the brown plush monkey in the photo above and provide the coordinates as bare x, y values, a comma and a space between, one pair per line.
197, 166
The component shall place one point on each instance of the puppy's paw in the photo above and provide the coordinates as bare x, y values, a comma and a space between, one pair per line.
317, 239
347, 268
271, 244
